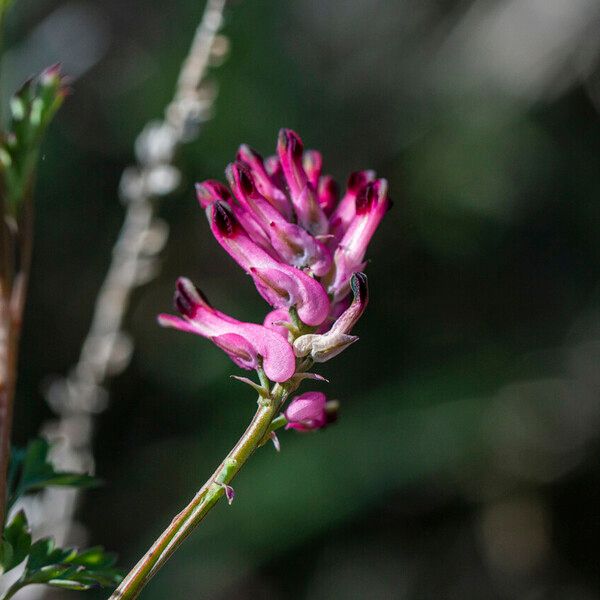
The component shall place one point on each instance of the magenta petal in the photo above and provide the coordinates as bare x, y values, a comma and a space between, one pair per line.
309, 211
174, 322
240, 350
279, 315
284, 286
262, 221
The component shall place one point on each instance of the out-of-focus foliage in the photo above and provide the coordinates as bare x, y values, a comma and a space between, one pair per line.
4, 4
69, 568
66, 568
31, 471
31, 109
463, 464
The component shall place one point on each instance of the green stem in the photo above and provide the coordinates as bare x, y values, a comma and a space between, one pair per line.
208, 495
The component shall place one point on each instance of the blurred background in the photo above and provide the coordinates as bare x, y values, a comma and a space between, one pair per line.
465, 462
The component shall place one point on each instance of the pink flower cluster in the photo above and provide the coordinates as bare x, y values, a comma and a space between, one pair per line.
304, 248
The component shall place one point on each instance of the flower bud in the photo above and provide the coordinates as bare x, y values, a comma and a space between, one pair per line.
307, 412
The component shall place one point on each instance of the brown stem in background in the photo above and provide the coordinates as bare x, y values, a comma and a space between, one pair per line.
8, 364
12, 303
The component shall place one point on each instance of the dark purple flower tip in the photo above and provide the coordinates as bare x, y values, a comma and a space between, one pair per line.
359, 287
188, 298
223, 219
358, 180
210, 191
328, 193
240, 179
365, 198
290, 141
375, 192
248, 155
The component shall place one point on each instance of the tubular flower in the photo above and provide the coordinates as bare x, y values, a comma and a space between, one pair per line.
245, 343
282, 221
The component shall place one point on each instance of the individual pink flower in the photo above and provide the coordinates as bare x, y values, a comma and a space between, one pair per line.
307, 412
371, 205
249, 345
345, 211
303, 195
281, 285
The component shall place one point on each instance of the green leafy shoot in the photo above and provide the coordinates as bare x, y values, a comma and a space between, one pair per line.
31, 109
31, 471
70, 568
67, 568
16, 542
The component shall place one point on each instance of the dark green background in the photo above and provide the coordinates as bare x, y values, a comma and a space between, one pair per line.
465, 462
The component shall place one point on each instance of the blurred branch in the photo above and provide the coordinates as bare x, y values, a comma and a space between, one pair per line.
106, 349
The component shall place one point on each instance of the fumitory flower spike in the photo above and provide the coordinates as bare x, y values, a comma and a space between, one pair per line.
282, 222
